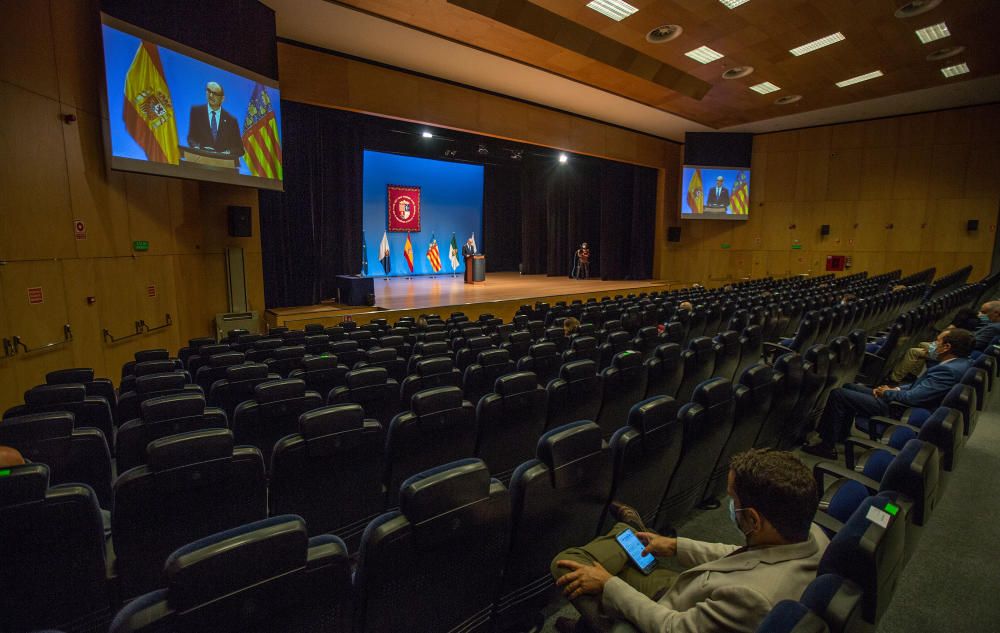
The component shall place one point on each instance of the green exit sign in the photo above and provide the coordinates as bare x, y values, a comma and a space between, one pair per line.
140, 245
796, 247
724, 245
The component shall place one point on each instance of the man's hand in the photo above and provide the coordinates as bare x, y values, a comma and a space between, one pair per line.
657, 545
583, 579
878, 391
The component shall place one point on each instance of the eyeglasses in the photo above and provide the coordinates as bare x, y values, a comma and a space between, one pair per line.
213, 93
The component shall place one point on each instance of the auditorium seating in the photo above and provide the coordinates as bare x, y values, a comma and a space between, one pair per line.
152, 386
94, 411
273, 413
160, 417
664, 370
237, 386
543, 359
698, 361
575, 395
509, 422
480, 376
622, 385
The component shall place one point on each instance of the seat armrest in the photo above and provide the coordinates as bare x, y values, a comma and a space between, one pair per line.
827, 522
851, 442
838, 471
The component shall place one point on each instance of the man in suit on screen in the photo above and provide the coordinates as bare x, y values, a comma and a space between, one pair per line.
718, 196
212, 128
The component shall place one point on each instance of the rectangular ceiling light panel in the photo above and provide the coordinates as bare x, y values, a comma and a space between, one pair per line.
704, 55
856, 80
833, 38
732, 4
958, 69
933, 32
764, 88
614, 9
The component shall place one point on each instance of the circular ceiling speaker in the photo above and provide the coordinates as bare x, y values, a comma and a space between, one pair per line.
787, 99
737, 71
916, 7
945, 53
664, 33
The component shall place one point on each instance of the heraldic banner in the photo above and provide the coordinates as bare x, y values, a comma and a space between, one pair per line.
404, 208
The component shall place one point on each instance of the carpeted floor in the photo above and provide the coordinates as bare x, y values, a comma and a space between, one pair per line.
952, 579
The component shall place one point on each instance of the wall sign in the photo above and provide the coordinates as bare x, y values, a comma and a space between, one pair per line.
35, 296
151, 290
79, 229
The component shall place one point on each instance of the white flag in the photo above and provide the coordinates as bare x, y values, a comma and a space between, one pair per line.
475, 249
383, 253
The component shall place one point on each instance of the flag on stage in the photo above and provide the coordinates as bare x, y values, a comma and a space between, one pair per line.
740, 198
408, 252
475, 249
364, 255
383, 253
694, 193
433, 255
261, 139
148, 111
453, 253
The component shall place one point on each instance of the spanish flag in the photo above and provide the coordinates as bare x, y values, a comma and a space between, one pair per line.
148, 111
408, 252
695, 198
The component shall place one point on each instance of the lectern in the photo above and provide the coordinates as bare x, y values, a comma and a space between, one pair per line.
475, 269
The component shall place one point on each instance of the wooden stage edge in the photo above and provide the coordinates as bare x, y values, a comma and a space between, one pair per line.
501, 295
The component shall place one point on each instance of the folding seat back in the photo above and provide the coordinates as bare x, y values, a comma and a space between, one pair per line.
263, 349
558, 499
92, 411
622, 385
426, 350
836, 600
696, 324
713, 318
557, 337
336, 333
913, 479
751, 343
244, 342
196, 361
975, 377
664, 371
238, 386
869, 553
388, 359
285, 359
321, 373
152, 386
645, 341
841, 364
273, 413
428, 373
410, 570
330, 471
396, 342
510, 420
673, 332
467, 355
101, 387
788, 377
264, 576
536, 329
317, 343
373, 389
575, 394
727, 359
53, 553
439, 427
615, 343
582, 347
293, 338
543, 359
479, 377
708, 423
194, 484
215, 368
645, 454
803, 416
144, 355
347, 352
699, 361
683, 320
72, 455
942, 428
163, 416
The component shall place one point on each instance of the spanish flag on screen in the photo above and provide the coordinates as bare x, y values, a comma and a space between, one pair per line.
695, 199
148, 110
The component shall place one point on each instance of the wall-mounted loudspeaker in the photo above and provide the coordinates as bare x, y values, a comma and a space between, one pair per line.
240, 222
673, 234
972, 225
824, 229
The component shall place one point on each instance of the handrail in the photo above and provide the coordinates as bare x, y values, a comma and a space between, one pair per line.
10, 345
167, 323
141, 327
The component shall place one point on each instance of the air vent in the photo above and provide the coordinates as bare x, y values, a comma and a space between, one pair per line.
945, 53
917, 7
787, 99
737, 72
664, 33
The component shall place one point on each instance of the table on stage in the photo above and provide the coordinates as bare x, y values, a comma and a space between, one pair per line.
475, 268
355, 289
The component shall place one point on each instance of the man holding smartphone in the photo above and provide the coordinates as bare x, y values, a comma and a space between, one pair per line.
773, 498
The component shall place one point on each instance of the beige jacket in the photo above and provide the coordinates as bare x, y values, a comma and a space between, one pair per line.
720, 593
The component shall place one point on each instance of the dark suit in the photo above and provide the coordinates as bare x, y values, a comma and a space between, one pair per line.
200, 132
467, 251
985, 335
925, 392
718, 199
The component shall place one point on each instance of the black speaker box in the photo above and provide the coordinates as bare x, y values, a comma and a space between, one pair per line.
240, 222
972, 225
673, 234
824, 229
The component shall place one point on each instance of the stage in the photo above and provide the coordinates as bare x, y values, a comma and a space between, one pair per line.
501, 294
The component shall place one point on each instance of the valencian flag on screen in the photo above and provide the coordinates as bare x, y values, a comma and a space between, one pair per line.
694, 193
433, 255
738, 200
260, 136
404, 208
453, 253
383, 253
408, 252
148, 110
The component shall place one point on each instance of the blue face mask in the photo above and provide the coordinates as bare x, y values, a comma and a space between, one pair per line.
932, 351
984, 318
732, 517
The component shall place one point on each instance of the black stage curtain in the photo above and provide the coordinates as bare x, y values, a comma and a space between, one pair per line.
501, 239
311, 232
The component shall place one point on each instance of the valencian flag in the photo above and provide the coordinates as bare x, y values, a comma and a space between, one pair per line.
408, 252
364, 255
383, 253
453, 253
148, 111
433, 255
260, 136
739, 200
695, 199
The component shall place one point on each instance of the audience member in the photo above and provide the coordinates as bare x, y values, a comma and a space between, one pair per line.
686, 305
571, 326
913, 361
10, 457
990, 328
773, 498
951, 348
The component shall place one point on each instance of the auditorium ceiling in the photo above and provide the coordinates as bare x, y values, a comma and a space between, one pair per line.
563, 54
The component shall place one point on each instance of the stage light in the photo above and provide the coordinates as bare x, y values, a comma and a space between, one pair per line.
426, 134
563, 158
451, 153
516, 154
483, 150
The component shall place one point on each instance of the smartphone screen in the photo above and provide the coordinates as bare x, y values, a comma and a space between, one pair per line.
633, 547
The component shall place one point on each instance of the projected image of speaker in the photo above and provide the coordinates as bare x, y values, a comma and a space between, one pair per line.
240, 222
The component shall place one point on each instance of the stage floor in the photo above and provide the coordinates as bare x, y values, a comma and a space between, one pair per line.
501, 293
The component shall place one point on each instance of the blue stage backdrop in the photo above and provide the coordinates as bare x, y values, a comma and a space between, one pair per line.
451, 201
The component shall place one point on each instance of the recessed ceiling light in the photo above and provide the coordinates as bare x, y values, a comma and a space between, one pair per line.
765, 87
563, 158
614, 9
704, 55
916, 7
787, 99
945, 53
737, 72
958, 69
933, 32
856, 80
664, 33
833, 38
426, 134
732, 4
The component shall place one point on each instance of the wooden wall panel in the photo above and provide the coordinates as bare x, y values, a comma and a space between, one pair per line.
80, 276
27, 58
912, 174
9, 392
781, 176
76, 27
878, 165
844, 178
948, 167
